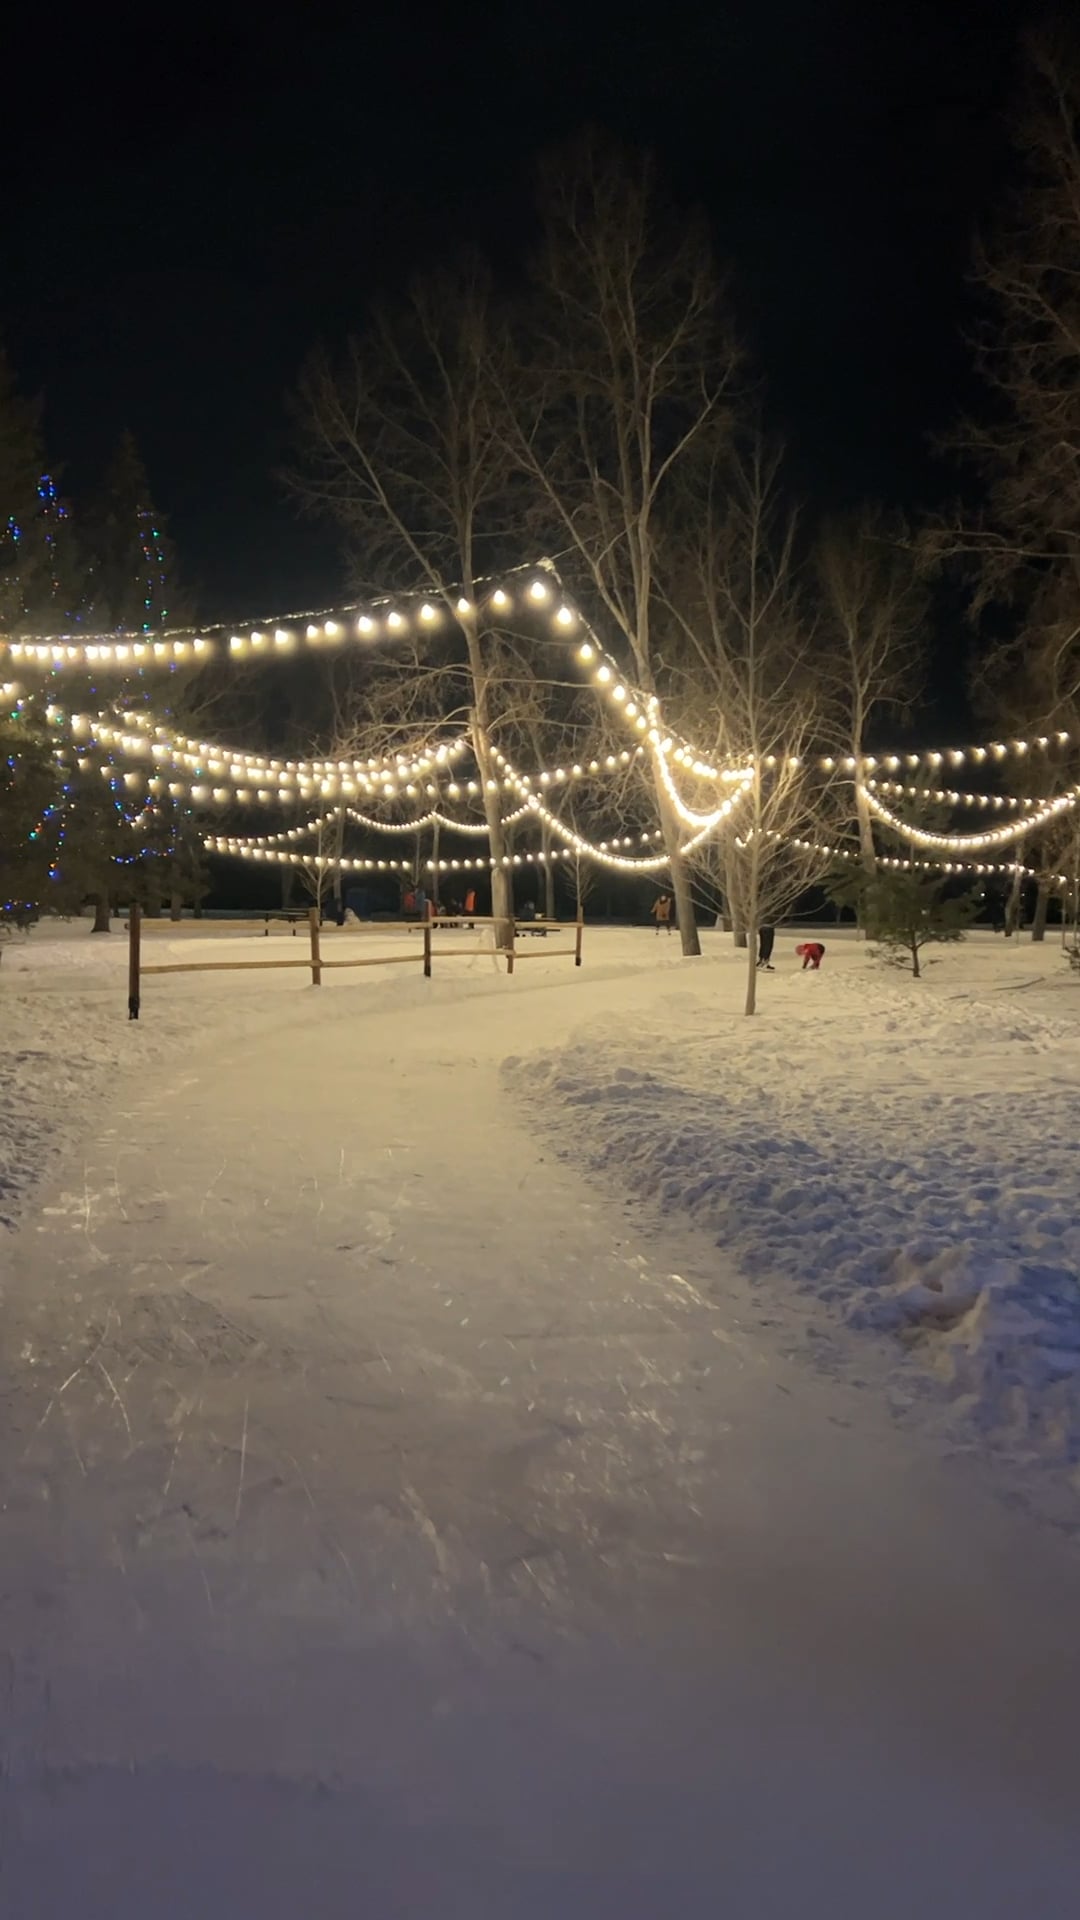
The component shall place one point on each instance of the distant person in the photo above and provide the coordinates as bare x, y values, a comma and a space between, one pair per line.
811, 953
420, 903
766, 942
995, 901
470, 906
661, 912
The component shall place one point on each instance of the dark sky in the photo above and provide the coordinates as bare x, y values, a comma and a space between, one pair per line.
191, 200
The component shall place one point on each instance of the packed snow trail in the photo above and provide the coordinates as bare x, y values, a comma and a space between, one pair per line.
392, 1527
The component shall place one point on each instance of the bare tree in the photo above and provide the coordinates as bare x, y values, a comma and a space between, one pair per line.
1030, 685
634, 362
872, 599
400, 448
1024, 550
744, 645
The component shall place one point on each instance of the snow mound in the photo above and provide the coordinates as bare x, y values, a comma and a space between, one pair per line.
908, 1159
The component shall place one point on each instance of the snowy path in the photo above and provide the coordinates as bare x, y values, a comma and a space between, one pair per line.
390, 1527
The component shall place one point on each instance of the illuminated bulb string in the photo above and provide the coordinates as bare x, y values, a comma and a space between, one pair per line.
942, 797
967, 842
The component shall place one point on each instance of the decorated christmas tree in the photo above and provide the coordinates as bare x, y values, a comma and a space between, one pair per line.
134, 564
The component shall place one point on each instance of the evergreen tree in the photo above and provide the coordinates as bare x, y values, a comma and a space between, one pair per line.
29, 814
21, 462
133, 557
53, 572
904, 910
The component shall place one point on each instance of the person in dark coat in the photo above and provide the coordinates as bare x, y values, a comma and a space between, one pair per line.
766, 942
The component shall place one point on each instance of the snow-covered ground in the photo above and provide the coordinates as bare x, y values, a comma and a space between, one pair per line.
903, 1153
416, 1496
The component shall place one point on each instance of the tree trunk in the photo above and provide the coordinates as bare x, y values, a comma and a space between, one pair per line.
867, 858
435, 863
866, 835
176, 907
339, 848
502, 880
916, 970
502, 885
734, 917
680, 873
549, 873
1042, 906
288, 882
751, 970
1012, 908
101, 913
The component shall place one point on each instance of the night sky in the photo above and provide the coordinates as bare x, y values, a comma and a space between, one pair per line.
192, 201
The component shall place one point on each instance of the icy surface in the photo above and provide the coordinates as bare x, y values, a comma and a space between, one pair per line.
396, 1520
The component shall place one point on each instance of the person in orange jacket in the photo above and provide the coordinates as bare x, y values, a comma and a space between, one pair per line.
661, 912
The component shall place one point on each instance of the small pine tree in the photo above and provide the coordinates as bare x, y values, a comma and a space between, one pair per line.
904, 910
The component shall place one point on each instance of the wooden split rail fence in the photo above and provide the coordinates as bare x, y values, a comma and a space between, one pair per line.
317, 963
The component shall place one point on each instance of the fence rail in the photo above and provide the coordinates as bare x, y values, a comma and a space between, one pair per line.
317, 964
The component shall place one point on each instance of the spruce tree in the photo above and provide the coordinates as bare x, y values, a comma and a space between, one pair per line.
134, 564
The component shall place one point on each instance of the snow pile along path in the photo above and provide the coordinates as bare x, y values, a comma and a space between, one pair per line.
906, 1154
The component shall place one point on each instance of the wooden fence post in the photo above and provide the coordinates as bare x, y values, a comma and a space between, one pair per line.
510, 949
577, 937
316, 969
134, 933
427, 949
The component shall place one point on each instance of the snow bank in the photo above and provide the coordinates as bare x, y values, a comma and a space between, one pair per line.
907, 1156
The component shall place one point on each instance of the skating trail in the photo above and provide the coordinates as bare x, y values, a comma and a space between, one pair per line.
393, 1528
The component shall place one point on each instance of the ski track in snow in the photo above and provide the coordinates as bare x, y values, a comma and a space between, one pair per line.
908, 1158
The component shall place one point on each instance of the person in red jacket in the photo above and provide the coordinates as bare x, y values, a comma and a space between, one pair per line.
811, 953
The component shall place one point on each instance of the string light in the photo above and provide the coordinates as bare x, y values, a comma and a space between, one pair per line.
124, 654
277, 856
967, 842
241, 766
943, 797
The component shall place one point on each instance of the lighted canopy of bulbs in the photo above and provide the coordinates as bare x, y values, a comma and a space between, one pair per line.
224, 774
643, 712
